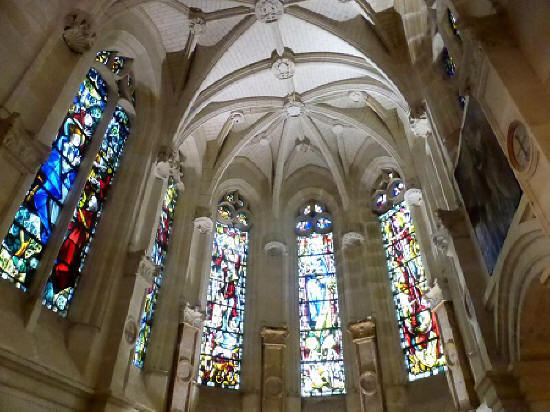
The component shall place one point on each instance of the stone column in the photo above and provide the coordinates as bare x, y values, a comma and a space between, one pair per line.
459, 374
184, 391
273, 373
363, 334
197, 275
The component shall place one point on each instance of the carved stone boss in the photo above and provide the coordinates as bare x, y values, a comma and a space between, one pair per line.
273, 373
186, 362
363, 334
459, 375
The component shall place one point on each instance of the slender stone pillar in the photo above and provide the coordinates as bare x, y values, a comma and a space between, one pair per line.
363, 334
197, 276
459, 374
183, 390
273, 369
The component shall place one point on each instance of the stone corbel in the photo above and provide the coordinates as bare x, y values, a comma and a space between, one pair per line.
351, 239
20, 145
77, 32
192, 316
413, 197
203, 224
275, 247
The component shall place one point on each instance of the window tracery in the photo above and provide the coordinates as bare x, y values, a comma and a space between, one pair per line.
321, 352
222, 336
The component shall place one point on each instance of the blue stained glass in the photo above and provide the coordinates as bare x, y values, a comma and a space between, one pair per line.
321, 352
36, 217
80, 233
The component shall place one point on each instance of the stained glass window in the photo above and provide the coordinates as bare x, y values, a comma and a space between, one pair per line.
321, 355
453, 23
448, 62
30, 231
80, 233
417, 324
158, 256
104, 56
222, 336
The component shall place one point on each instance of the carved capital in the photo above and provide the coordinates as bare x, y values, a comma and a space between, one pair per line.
275, 247
20, 144
438, 293
352, 239
274, 336
364, 329
147, 269
77, 32
269, 11
203, 224
192, 315
413, 197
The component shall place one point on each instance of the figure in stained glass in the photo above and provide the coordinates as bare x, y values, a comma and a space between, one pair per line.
222, 337
80, 233
34, 221
322, 366
418, 327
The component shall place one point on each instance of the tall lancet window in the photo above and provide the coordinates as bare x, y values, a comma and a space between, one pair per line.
417, 324
222, 336
321, 356
28, 236
158, 256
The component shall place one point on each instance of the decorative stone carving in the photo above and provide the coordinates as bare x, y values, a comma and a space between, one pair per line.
294, 106
77, 33
147, 269
420, 125
269, 11
20, 144
162, 164
192, 315
352, 239
237, 117
438, 293
275, 247
196, 25
441, 242
413, 197
303, 145
176, 170
283, 67
273, 372
363, 334
356, 96
130, 331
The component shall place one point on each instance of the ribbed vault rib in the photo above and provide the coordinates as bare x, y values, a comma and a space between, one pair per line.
280, 166
333, 163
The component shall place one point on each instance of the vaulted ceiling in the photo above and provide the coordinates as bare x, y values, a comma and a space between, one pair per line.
286, 85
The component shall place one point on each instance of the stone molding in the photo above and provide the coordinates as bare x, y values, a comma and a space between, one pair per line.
203, 224
413, 197
192, 315
77, 32
438, 293
352, 239
274, 336
275, 247
269, 11
363, 329
20, 144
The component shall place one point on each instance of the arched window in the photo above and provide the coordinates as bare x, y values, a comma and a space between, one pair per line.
222, 336
32, 227
417, 324
158, 256
321, 355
